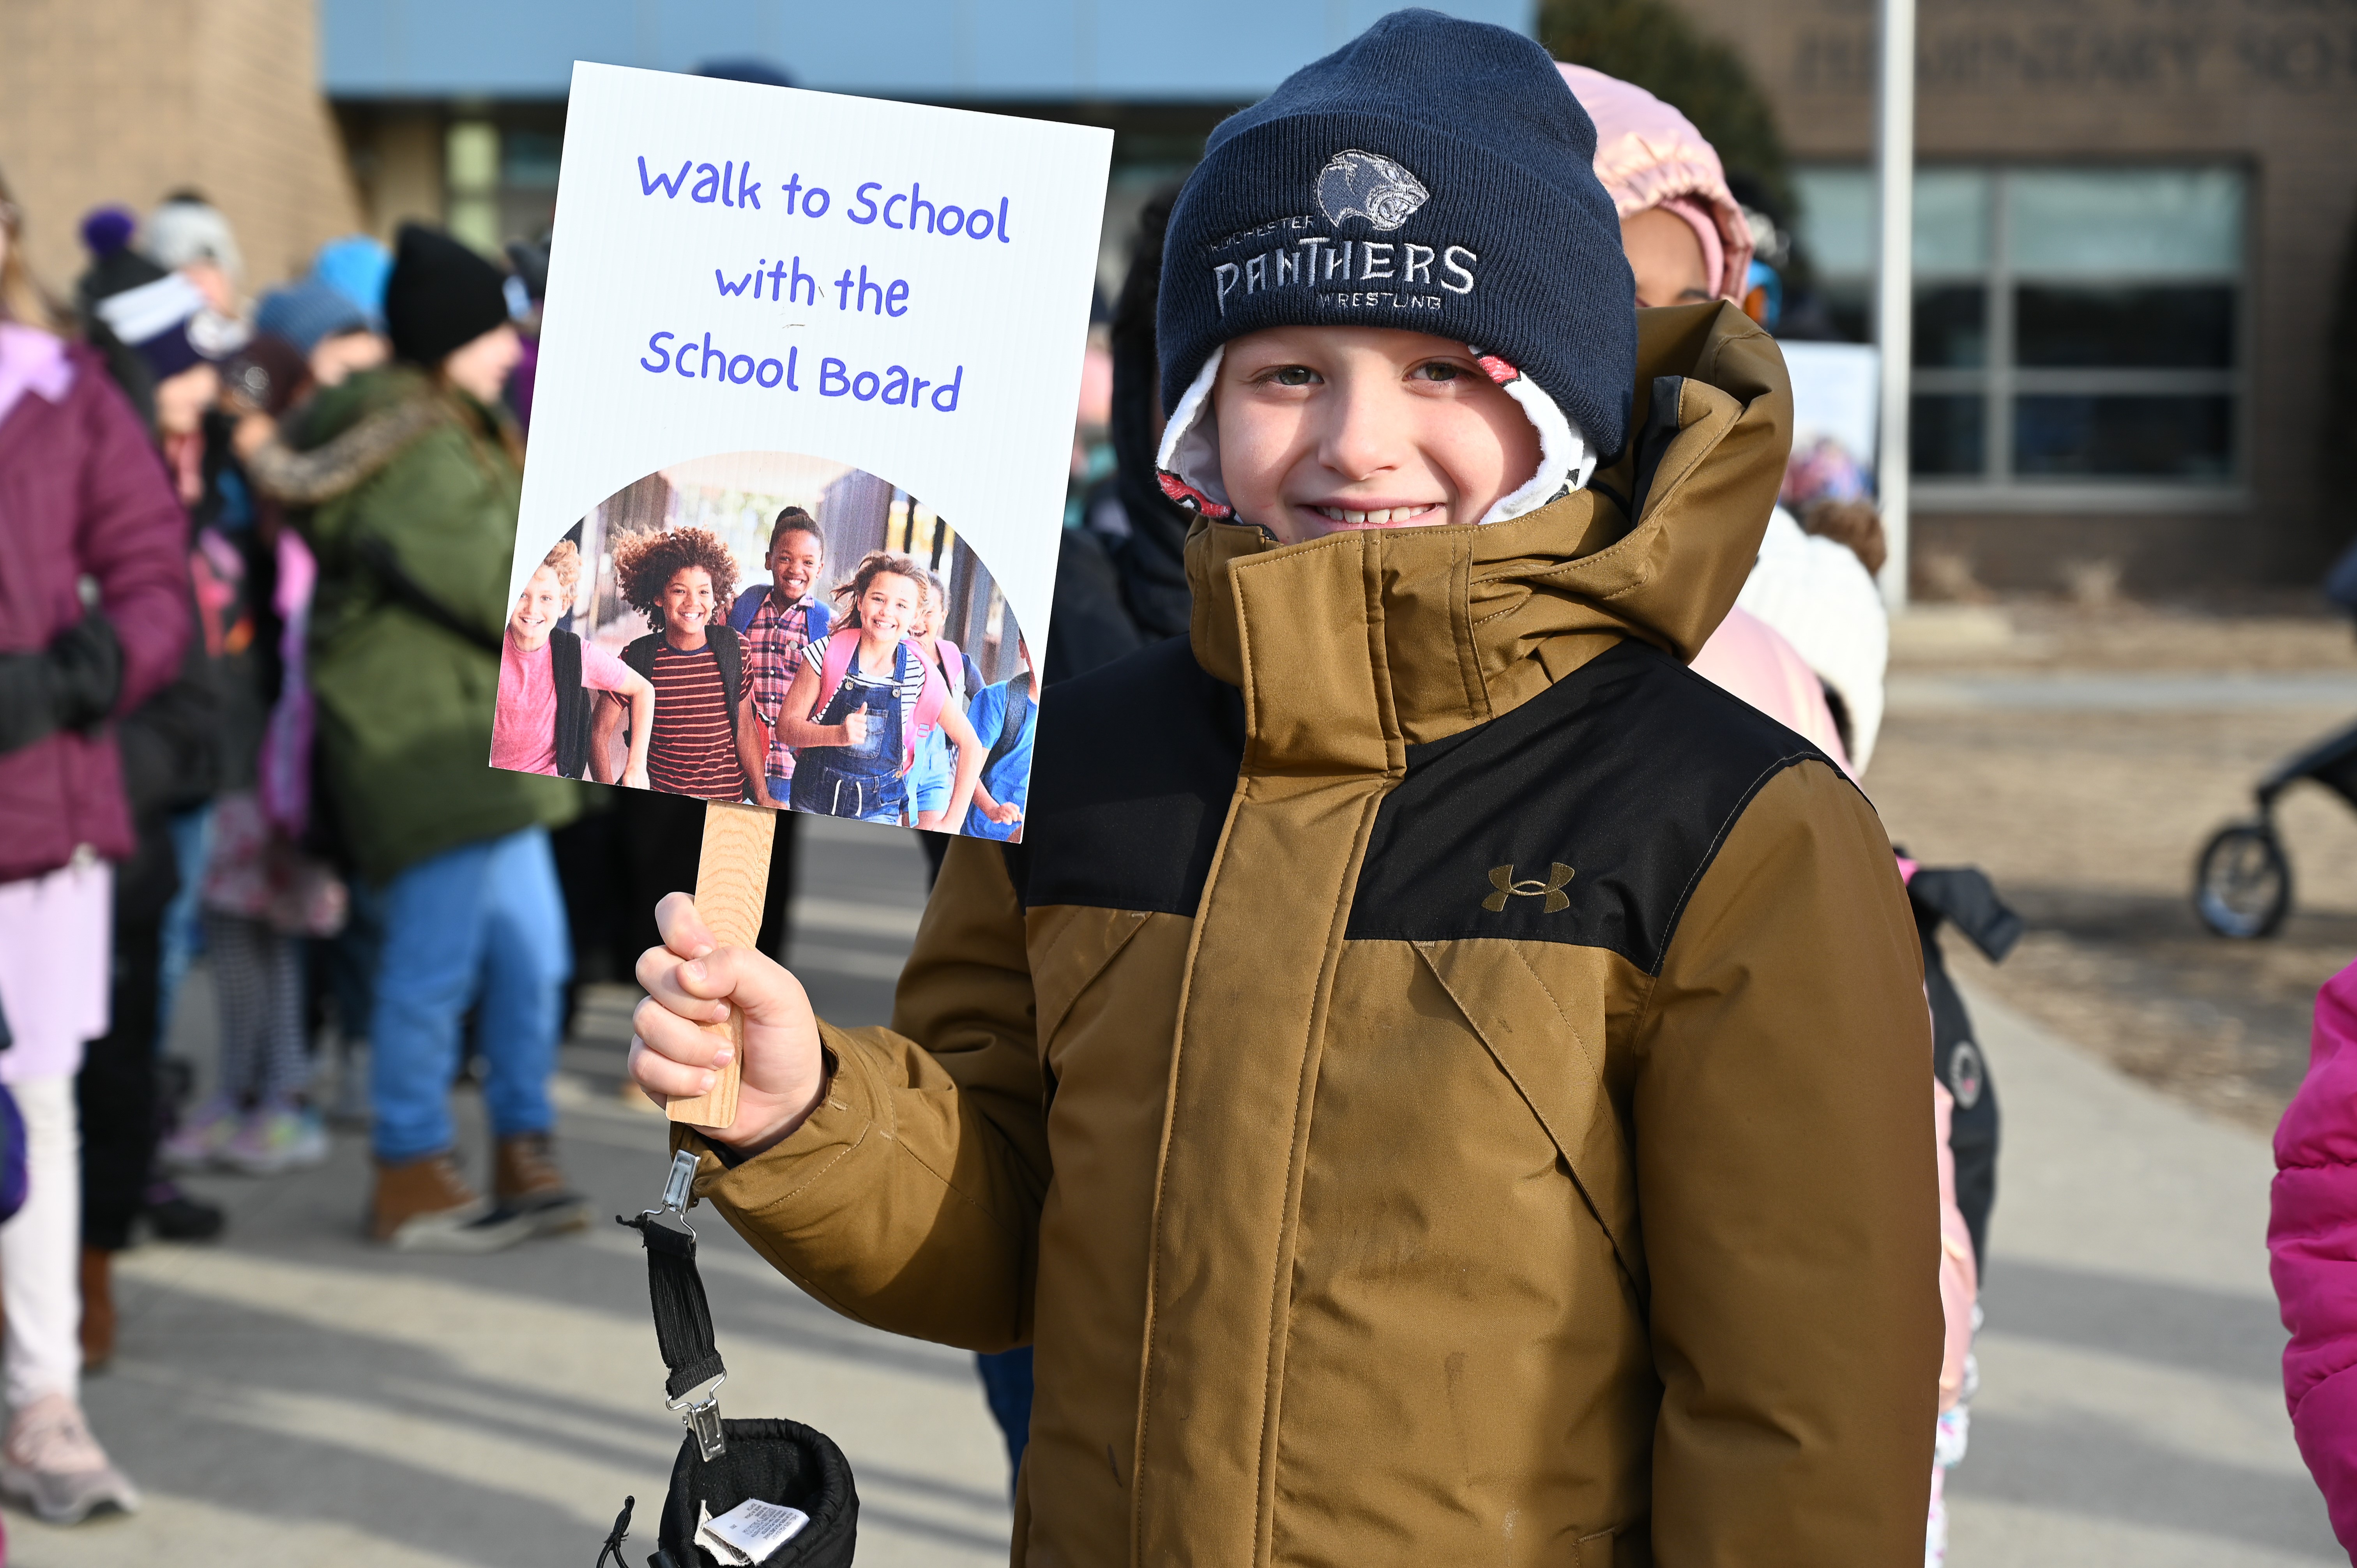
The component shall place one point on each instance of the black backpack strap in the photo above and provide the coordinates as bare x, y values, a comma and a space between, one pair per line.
639, 655
728, 652
1011, 720
573, 704
682, 1316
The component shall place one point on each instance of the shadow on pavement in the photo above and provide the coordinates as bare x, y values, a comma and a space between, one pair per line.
2227, 1334
2082, 1465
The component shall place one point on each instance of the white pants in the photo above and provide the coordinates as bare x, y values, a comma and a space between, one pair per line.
41, 1248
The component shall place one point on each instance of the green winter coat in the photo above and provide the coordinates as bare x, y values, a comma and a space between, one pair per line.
412, 494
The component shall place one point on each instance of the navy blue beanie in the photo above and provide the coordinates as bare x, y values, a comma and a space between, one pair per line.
308, 312
1432, 175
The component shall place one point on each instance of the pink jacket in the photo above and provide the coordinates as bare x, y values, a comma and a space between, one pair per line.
82, 493
1753, 659
2312, 1239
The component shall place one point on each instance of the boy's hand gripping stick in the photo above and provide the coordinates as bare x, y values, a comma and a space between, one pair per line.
732, 881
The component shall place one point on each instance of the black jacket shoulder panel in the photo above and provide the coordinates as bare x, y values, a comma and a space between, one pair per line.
1131, 777
1586, 816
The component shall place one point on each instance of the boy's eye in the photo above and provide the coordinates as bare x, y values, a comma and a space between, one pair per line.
1437, 371
1291, 376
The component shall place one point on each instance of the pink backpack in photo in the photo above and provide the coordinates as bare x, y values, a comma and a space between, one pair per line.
842, 646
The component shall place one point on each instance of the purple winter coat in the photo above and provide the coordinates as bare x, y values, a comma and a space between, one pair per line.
2312, 1238
82, 491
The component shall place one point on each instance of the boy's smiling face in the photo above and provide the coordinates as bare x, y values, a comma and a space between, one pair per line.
794, 561
1328, 428
537, 609
687, 600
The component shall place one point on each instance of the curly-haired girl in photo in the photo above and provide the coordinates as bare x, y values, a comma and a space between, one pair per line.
694, 659
864, 700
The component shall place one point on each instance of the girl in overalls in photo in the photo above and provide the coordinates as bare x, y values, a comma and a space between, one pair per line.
864, 700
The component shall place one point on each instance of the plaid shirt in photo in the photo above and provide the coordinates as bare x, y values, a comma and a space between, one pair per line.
773, 645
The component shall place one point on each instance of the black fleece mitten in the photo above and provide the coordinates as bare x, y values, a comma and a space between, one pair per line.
73, 685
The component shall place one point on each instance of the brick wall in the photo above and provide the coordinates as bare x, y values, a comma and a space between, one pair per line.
126, 100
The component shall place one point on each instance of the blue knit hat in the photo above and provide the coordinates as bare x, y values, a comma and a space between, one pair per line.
1432, 175
308, 312
357, 266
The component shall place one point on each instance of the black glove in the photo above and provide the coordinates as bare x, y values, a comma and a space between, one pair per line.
73, 685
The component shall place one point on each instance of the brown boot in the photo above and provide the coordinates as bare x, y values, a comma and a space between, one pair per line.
97, 1308
528, 1182
424, 1205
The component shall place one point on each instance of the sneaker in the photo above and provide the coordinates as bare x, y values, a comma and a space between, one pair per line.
277, 1138
203, 1136
174, 1216
528, 1181
51, 1464
425, 1206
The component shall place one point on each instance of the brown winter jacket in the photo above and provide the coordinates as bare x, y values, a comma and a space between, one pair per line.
1440, 1084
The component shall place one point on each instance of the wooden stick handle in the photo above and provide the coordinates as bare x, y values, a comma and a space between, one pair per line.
732, 881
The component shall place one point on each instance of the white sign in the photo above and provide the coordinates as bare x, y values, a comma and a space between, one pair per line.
1833, 396
763, 300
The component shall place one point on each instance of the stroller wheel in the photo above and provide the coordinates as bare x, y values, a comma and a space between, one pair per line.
2243, 886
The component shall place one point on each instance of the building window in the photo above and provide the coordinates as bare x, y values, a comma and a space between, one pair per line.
2079, 332
499, 181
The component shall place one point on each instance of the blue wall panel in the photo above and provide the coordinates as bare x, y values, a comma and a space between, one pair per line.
1210, 50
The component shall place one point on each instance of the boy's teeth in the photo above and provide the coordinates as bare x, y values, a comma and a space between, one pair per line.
1378, 518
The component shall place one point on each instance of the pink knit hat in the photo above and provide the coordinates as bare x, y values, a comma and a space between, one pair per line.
1648, 156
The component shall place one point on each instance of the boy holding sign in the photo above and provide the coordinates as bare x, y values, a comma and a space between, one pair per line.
1378, 956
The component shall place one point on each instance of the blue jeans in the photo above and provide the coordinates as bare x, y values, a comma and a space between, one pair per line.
483, 923
183, 937
1007, 1388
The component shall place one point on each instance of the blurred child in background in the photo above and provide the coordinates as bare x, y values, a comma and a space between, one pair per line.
1686, 239
412, 537
92, 506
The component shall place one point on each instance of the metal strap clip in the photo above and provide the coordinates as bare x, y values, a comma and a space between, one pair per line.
702, 1416
700, 1406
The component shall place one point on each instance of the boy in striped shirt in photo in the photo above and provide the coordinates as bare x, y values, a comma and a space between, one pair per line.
775, 619
696, 662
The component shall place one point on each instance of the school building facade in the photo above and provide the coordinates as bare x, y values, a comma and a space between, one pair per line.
2132, 214
2131, 221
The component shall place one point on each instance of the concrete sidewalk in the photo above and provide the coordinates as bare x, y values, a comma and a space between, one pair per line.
295, 1396
2131, 1410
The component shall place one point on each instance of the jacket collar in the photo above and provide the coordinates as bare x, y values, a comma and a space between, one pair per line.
1351, 646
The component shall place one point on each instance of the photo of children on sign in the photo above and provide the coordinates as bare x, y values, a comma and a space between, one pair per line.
776, 629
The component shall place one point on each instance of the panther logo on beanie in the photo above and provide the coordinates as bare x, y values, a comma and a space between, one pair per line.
1432, 175
1369, 186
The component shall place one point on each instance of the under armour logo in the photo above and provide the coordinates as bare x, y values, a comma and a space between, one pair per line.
1502, 878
